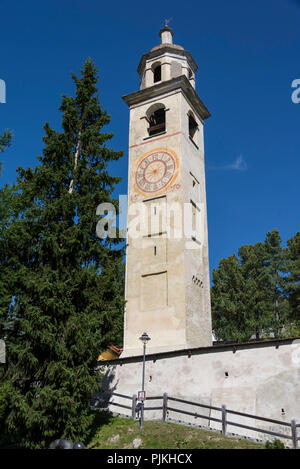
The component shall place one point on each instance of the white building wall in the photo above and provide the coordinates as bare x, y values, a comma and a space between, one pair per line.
261, 379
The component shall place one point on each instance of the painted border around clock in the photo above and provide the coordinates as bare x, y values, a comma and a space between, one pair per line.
145, 155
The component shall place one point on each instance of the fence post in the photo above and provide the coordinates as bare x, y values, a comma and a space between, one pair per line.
294, 434
224, 423
165, 406
133, 406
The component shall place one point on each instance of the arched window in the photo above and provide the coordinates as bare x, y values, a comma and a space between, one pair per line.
156, 69
156, 117
193, 126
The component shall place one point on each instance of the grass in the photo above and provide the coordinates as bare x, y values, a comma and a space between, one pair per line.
119, 433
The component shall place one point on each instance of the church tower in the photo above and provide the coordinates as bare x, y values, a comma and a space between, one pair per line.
167, 270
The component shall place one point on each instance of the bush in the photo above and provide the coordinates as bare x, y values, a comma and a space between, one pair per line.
275, 444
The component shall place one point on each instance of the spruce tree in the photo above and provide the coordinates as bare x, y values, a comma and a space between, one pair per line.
7, 274
68, 287
5, 140
248, 293
6, 215
229, 309
293, 280
258, 318
276, 268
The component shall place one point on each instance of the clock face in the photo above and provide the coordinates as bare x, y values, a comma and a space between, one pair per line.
156, 171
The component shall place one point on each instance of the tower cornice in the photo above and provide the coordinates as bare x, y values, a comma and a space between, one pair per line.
167, 48
180, 82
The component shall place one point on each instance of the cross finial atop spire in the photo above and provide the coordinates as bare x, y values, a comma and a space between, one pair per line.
168, 21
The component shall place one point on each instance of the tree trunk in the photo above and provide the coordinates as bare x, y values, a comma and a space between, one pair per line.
75, 162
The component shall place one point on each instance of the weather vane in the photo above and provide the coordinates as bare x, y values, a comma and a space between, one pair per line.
168, 21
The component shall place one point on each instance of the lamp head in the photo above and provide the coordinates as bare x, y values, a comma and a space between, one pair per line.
145, 338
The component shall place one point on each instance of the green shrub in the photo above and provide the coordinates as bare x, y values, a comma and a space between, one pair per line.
275, 444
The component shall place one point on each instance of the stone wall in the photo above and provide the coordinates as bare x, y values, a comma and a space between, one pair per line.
261, 378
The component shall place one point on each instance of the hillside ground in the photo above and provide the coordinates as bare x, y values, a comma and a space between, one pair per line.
122, 433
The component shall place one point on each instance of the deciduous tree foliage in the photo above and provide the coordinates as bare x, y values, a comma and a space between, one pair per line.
67, 287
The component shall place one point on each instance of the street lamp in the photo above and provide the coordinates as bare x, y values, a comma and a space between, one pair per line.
144, 338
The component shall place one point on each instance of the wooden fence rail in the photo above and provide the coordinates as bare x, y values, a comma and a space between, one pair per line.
135, 407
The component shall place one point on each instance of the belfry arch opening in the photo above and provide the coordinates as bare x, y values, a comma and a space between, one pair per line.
156, 117
156, 69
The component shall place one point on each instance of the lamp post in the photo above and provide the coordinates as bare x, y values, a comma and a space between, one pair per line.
144, 338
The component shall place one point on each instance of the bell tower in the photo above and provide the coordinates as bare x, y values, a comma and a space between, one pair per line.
167, 270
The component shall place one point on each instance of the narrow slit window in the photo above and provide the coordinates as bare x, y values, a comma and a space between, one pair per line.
195, 193
192, 127
155, 250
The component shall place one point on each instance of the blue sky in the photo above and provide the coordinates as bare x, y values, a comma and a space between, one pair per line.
248, 54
